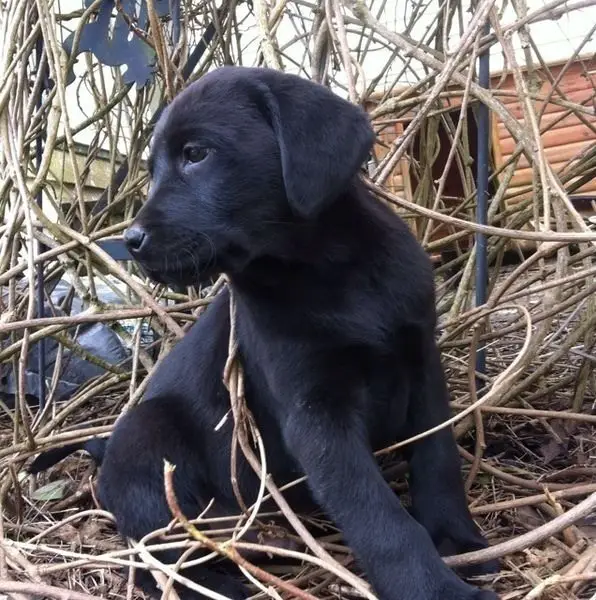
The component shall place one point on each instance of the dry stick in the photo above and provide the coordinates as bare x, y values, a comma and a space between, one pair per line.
20, 404
224, 549
584, 564
163, 583
40, 589
361, 11
3, 561
124, 276
268, 43
526, 540
523, 290
501, 382
550, 236
95, 512
90, 316
529, 116
115, 268
401, 105
570, 534
107, 559
65, 438
81, 560
556, 579
59, 249
161, 570
513, 479
112, 557
25, 566
344, 49
571, 492
455, 143
535, 413
232, 384
167, 585
566, 303
365, 17
134, 398
444, 76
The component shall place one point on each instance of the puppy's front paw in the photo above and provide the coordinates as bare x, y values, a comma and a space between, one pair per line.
489, 567
485, 595
466, 593
451, 587
461, 541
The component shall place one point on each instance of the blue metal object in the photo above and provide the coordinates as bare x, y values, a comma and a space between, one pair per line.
121, 44
116, 248
482, 191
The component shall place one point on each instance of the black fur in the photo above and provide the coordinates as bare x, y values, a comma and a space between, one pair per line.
255, 174
96, 447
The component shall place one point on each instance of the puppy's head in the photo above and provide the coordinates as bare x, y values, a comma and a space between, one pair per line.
236, 158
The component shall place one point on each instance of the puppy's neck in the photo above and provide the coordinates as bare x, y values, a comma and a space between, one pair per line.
349, 237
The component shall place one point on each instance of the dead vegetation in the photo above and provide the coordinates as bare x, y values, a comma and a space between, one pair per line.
526, 435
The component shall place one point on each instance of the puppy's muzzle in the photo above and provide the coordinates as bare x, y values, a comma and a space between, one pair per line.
136, 240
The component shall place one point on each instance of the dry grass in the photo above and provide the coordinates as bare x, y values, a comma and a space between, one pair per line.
534, 466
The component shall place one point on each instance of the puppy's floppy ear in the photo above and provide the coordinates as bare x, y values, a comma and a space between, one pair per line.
323, 139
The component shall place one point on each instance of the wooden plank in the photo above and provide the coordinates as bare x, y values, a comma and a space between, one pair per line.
395, 184
576, 77
556, 120
523, 177
569, 135
558, 154
575, 81
495, 142
583, 97
514, 195
407, 190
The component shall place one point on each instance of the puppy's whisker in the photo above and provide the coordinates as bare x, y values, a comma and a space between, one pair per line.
194, 263
211, 247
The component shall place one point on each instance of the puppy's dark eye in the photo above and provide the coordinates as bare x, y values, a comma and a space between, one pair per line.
194, 154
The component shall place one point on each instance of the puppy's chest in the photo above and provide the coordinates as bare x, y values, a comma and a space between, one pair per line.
282, 373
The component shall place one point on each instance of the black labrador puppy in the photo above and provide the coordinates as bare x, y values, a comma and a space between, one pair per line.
255, 173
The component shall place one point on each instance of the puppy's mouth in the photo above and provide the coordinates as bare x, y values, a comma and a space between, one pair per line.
178, 271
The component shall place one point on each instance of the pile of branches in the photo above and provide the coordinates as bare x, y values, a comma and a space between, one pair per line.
72, 173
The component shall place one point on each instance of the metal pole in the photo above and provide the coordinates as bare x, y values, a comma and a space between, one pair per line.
39, 142
482, 178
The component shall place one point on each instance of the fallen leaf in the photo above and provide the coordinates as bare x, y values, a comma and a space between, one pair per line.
55, 490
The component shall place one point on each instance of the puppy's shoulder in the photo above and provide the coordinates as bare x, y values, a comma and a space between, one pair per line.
197, 361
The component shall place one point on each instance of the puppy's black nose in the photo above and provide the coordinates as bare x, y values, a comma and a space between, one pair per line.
134, 238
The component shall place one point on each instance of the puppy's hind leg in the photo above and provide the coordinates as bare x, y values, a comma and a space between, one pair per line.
136, 521
436, 486
131, 487
218, 580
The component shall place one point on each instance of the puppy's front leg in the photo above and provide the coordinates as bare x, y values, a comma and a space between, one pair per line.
436, 485
395, 551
